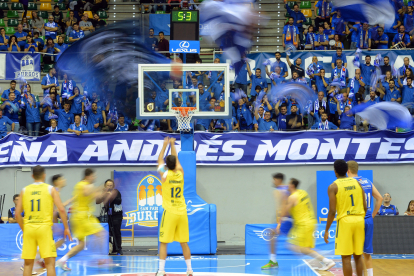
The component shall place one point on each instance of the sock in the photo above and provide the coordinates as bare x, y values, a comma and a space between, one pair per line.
370, 271
273, 257
188, 263
64, 258
325, 260
161, 266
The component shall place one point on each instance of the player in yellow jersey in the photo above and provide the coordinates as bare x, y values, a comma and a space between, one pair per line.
174, 222
37, 201
347, 199
82, 222
300, 207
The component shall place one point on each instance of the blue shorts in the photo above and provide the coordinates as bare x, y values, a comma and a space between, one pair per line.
369, 234
285, 226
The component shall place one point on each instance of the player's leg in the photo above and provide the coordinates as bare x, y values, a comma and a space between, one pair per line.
368, 248
359, 265
75, 250
28, 267
358, 243
182, 235
29, 249
50, 266
166, 236
272, 262
187, 257
346, 265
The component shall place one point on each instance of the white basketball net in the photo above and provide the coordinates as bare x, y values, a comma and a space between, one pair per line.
184, 120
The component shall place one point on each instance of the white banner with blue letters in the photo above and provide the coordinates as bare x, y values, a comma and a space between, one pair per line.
143, 148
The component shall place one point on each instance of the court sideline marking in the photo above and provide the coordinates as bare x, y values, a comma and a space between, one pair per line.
311, 267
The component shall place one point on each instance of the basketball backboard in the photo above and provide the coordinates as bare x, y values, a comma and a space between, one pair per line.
159, 89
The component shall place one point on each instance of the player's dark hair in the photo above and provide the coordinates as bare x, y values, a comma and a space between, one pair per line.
339, 48
367, 56
13, 81
295, 182
151, 29
16, 195
280, 176
121, 115
259, 69
296, 5
257, 87
292, 18
340, 167
161, 33
409, 78
88, 172
38, 171
199, 60
171, 161
55, 178
386, 57
277, 53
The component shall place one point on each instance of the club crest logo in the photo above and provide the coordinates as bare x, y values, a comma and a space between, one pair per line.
27, 68
267, 234
149, 198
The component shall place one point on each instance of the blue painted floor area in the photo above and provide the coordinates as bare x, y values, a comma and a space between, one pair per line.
202, 265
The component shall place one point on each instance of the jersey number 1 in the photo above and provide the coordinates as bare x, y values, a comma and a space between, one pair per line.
38, 204
352, 199
177, 192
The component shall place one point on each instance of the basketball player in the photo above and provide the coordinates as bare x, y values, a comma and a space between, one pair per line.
82, 221
347, 199
370, 191
281, 194
174, 223
301, 236
37, 201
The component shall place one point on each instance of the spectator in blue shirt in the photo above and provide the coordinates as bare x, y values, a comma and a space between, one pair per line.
322, 40
275, 76
328, 30
364, 37
60, 46
30, 46
53, 127
77, 127
340, 56
39, 42
321, 82
409, 20
11, 109
392, 94
78, 102
406, 65
4, 122
21, 37
51, 28
33, 120
65, 117
4, 39
150, 125
324, 124
282, 65
407, 91
298, 19
393, 30
240, 81
322, 12
48, 81
76, 34
5, 95
121, 125
354, 34
291, 34
95, 119
347, 120
13, 44
387, 209
382, 42
256, 80
373, 99
244, 116
55, 105
339, 25
340, 73
354, 84
366, 71
266, 123
402, 38
151, 41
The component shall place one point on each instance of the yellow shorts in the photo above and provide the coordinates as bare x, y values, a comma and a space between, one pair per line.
302, 235
82, 226
350, 236
38, 235
174, 228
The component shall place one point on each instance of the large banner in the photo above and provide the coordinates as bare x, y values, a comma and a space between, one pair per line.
324, 59
24, 65
323, 180
141, 197
12, 241
258, 237
266, 148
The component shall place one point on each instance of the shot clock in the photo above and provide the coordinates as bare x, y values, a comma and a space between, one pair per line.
185, 25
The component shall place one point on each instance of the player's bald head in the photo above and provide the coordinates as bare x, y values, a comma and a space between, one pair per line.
353, 167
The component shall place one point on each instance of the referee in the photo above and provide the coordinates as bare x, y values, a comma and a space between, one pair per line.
112, 201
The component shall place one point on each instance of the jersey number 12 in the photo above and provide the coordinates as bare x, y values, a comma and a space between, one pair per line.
177, 192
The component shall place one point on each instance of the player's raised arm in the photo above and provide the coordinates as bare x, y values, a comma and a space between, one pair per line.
332, 191
19, 211
161, 169
378, 201
62, 213
174, 152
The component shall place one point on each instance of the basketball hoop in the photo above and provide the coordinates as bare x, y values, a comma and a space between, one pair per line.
184, 115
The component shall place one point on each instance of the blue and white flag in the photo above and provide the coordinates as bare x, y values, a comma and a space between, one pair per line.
371, 11
384, 115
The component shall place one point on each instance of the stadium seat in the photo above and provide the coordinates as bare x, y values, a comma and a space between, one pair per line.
30, 21
89, 13
15, 1
307, 13
287, 15
406, 2
12, 22
61, 6
102, 14
45, 7
46, 67
4, 6
48, 1
308, 21
2, 25
29, 14
16, 6
291, 4
12, 14
45, 20
43, 14
10, 31
32, 7
305, 5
